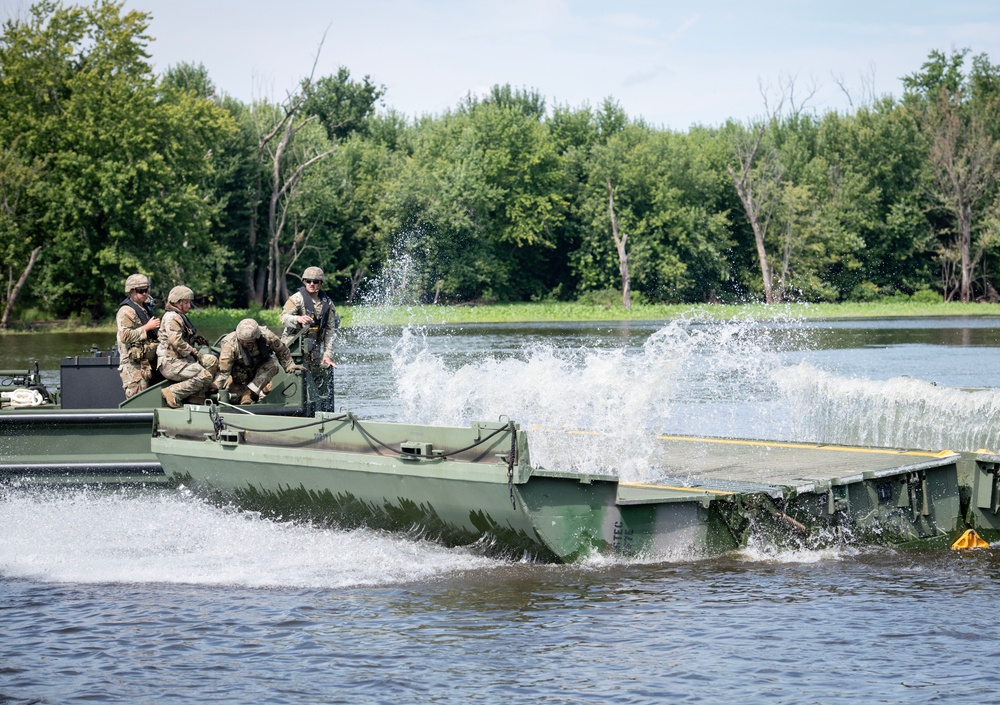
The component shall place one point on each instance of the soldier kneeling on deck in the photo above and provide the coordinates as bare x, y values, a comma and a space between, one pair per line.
248, 361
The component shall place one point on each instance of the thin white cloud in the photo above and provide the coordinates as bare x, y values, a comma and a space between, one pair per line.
688, 24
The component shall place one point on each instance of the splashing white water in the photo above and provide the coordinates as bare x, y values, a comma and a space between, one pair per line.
899, 413
626, 396
691, 376
85, 536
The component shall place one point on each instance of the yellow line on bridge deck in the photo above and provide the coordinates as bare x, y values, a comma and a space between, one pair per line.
769, 444
699, 490
809, 446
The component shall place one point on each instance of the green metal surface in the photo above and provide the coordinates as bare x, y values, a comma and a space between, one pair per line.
49, 444
980, 482
838, 492
463, 485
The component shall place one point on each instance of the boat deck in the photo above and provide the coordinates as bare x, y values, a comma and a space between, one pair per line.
691, 464
768, 466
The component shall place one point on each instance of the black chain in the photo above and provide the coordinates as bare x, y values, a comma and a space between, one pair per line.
510, 464
218, 423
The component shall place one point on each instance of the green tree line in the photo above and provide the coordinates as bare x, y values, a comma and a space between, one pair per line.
107, 168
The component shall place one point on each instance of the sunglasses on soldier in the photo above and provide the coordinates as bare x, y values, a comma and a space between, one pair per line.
144, 290
313, 281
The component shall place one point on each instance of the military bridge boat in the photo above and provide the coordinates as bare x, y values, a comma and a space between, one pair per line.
478, 485
84, 430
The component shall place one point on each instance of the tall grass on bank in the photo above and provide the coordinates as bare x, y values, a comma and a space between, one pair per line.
567, 312
555, 312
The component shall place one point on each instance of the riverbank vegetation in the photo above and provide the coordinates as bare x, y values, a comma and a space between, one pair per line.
218, 319
537, 209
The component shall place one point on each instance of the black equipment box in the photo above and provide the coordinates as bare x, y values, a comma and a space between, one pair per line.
90, 382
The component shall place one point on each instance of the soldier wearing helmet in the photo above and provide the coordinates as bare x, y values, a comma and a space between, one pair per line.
136, 336
248, 361
179, 360
309, 313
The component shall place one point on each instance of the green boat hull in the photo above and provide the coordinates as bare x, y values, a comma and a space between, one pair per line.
477, 485
334, 471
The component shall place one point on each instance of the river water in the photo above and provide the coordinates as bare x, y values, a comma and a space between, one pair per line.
141, 596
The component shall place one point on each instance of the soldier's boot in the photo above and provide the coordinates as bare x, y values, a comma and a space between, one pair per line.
168, 396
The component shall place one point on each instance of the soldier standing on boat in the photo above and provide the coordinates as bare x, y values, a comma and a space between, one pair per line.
248, 361
310, 313
177, 354
136, 340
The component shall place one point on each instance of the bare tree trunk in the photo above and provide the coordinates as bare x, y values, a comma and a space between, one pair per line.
622, 255
13, 292
965, 245
283, 189
276, 144
359, 275
965, 162
752, 208
950, 274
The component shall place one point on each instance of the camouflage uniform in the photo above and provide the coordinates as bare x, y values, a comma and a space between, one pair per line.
136, 349
247, 371
318, 339
179, 359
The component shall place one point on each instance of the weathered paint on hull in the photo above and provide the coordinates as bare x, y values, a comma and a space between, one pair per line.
981, 486
813, 495
394, 476
339, 469
909, 508
459, 498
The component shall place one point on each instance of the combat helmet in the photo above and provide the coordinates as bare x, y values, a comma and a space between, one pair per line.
136, 281
313, 273
180, 293
247, 330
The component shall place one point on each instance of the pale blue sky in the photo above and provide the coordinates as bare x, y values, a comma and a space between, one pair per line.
674, 63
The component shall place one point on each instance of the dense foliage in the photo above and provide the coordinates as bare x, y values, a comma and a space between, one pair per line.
106, 169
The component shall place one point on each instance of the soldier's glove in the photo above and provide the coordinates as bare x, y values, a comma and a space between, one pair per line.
295, 368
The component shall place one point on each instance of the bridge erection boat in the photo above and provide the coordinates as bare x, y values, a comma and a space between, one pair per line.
83, 430
477, 485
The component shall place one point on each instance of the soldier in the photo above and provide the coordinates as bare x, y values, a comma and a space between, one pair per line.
247, 362
136, 344
178, 358
312, 309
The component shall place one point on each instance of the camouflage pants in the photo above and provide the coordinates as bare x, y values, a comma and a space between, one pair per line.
192, 378
136, 377
241, 378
